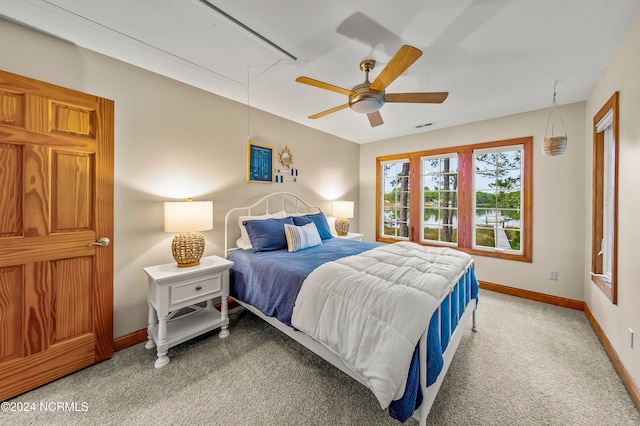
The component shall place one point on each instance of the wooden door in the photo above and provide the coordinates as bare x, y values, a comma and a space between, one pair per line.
56, 197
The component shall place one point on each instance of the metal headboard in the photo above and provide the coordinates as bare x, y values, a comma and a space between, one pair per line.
270, 203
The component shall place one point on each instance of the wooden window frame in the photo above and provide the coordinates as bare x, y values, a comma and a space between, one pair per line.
465, 194
598, 214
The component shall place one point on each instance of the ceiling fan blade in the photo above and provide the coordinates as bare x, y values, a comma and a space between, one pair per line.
329, 111
402, 60
323, 85
375, 118
419, 98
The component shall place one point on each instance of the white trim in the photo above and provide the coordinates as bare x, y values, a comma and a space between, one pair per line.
606, 121
608, 196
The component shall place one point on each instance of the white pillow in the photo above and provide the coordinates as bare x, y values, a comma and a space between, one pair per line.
240, 244
280, 215
301, 237
332, 225
246, 242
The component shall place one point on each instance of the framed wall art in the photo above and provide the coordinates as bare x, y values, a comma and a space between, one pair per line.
259, 163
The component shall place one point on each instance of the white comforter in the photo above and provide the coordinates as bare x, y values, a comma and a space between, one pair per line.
371, 309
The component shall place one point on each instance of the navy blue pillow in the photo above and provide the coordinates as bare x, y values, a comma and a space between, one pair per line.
267, 234
319, 219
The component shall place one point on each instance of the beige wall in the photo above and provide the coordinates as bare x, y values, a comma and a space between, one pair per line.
558, 196
621, 75
173, 141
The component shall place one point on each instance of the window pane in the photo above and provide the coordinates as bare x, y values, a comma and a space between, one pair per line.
431, 167
510, 159
485, 180
441, 233
485, 199
449, 181
449, 199
508, 199
509, 179
514, 238
485, 237
431, 216
486, 162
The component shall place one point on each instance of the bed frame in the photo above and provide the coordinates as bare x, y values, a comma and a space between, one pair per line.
291, 203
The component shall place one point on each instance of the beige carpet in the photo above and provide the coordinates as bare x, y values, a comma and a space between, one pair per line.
529, 364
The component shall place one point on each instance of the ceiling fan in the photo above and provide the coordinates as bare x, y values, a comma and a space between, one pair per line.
368, 98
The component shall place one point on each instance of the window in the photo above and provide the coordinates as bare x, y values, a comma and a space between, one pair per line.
605, 198
498, 198
395, 200
440, 198
476, 198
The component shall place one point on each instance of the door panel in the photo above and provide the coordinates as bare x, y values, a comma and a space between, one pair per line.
56, 175
71, 298
11, 302
11, 205
72, 192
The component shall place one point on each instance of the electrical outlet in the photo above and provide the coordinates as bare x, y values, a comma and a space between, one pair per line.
630, 335
552, 274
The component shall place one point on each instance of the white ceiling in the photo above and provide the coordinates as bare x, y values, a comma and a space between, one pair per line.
494, 57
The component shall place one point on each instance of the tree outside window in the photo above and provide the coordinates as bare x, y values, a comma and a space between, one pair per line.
396, 199
440, 199
477, 198
498, 198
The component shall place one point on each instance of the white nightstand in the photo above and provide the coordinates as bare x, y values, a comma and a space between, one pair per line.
172, 288
351, 236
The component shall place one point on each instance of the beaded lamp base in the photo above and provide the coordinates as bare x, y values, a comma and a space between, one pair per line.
342, 226
188, 248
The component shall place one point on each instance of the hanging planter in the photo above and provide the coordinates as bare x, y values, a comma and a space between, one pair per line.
554, 145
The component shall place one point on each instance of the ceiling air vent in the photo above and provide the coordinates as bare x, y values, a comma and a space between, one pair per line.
420, 126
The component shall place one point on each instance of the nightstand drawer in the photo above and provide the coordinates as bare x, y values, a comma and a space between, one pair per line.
195, 289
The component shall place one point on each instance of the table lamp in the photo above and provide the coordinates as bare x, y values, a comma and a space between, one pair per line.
188, 218
342, 211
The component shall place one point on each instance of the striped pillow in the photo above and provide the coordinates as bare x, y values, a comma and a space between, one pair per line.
301, 237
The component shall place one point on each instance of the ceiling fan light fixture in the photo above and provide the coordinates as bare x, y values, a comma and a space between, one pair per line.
364, 100
366, 105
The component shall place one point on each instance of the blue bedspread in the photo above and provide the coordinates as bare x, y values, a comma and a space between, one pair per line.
271, 281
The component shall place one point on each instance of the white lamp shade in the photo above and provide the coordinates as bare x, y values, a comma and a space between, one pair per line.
188, 216
343, 209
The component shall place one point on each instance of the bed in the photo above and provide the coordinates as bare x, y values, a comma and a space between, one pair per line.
391, 316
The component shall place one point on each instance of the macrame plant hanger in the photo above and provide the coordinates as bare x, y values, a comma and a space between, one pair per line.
554, 145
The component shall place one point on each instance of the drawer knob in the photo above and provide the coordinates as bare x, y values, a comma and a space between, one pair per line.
199, 288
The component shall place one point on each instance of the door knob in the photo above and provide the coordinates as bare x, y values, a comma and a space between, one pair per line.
102, 242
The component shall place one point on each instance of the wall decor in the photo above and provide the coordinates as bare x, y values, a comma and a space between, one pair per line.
290, 175
286, 158
287, 173
259, 163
